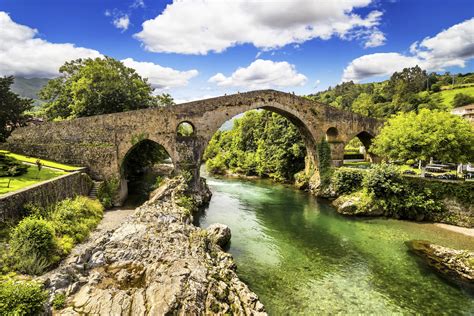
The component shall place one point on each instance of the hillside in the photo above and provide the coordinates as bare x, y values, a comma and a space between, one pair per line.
447, 95
411, 89
29, 88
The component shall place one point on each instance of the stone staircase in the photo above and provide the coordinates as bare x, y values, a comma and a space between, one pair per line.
94, 190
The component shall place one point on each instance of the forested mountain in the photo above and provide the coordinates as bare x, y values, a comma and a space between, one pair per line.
409, 90
28, 88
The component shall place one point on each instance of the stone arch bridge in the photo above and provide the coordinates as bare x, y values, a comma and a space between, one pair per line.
102, 142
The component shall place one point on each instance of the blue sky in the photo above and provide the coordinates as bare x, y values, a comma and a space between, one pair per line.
200, 48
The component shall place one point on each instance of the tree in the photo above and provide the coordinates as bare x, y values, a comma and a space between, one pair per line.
440, 135
164, 99
405, 83
260, 143
12, 108
462, 99
89, 87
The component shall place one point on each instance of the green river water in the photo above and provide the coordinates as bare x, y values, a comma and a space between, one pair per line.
301, 257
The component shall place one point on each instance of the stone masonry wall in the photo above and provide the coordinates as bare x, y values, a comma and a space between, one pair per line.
44, 194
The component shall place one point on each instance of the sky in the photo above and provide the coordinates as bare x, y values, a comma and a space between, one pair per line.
194, 49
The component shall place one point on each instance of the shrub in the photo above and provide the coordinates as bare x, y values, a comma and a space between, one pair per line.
158, 182
59, 301
107, 192
77, 217
383, 180
21, 297
346, 180
11, 167
33, 245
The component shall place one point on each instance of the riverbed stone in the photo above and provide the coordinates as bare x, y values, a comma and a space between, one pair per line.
220, 233
151, 265
455, 265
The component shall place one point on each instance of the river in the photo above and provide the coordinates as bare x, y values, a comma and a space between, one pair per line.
301, 257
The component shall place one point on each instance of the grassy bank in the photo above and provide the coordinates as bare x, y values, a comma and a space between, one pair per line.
45, 163
32, 176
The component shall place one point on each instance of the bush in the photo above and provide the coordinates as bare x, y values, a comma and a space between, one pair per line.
77, 217
21, 297
59, 301
346, 180
11, 167
383, 180
33, 245
216, 165
107, 192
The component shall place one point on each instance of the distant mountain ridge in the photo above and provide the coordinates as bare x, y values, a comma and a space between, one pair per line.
29, 87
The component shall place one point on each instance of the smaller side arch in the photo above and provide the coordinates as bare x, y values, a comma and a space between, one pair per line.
332, 135
185, 129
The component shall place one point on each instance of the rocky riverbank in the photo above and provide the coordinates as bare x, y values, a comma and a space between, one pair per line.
155, 263
455, 265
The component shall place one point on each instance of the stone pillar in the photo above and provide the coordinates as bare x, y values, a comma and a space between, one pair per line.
337, 153
189, 151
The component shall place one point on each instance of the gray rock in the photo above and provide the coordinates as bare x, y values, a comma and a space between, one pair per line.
220, 233
157, 263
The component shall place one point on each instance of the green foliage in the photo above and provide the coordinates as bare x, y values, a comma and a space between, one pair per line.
185, 129
12, 108
41, 239
411, 89
76, 218
21, 297
324, 156
10, 167
439, 190
95, 86
107, 191
33, 245
388, 190
383, 180
158, 182
440, 135
164, 99
59, 301
261, 143
462, 99
347, 180
187, 203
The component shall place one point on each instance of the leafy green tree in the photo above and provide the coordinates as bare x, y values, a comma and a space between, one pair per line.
462, 99
440, 135
164, 99
12, 108
260, 143
405, 83
89, 87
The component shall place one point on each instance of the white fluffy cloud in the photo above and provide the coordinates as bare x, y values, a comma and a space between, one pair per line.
122, 22
198, 27
262, 74
161, 77
451, 47
375, 39
23, 54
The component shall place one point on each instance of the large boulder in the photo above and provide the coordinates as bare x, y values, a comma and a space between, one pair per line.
455, 265
220, 233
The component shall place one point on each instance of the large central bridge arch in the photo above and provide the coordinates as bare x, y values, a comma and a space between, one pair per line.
102, 142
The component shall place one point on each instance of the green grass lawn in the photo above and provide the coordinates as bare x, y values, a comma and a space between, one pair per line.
45, 163
29, 178
448, 95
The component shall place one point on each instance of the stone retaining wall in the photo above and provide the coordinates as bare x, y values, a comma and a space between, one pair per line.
44, 194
